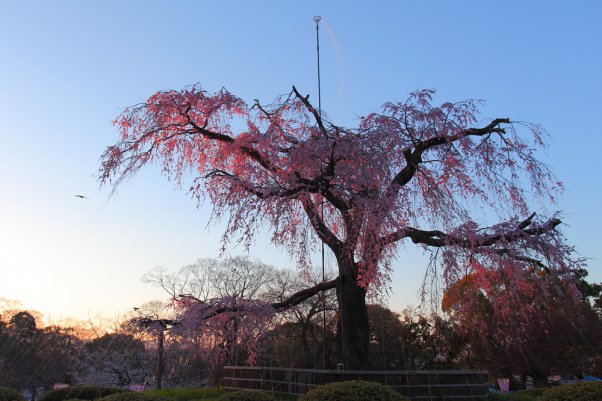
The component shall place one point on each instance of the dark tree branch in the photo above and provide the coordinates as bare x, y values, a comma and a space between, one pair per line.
414, 157
320, 228
312, 110
436, 238
320, 185
146, 322
289, 302
512, 255
254, 154
305, 294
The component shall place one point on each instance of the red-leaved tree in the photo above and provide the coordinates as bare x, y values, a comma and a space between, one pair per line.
412, 173
559, 336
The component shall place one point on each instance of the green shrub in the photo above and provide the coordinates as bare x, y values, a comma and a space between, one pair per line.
530, 394
188, 394
88, 393
354, 390
132, 396
590, 391
8, 394
249, 395
535, 391
511, 397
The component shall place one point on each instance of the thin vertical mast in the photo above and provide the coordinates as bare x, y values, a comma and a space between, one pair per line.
317, 19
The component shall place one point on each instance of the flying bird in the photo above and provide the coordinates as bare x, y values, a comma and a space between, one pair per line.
81, 196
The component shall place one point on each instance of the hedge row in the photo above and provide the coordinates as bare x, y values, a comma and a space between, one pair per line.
355, 390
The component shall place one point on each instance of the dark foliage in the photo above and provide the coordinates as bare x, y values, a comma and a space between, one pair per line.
188, 394
591, 391
32, 357
82, 392
246, 396
355, 390
8, 394
510, 397
534, 392
132, 396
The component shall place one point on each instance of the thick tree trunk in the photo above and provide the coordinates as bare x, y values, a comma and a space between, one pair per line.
353, 324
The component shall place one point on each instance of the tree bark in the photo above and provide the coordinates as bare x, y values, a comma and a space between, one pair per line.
353, 323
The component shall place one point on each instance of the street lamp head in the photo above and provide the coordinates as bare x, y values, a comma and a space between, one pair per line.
317, 19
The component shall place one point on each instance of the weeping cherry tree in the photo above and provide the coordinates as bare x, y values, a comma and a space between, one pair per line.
413, 173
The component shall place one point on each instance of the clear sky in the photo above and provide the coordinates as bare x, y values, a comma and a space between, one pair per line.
68, 68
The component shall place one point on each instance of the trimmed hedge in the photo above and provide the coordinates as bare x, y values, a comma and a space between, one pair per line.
188, 394
249, 395
88, 393
353, 390
511, 397
535, 391
132, 396
589, 391
9, 394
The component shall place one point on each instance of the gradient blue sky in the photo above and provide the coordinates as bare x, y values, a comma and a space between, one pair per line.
68, 68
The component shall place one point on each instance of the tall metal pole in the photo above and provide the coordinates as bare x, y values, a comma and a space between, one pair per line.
317, 19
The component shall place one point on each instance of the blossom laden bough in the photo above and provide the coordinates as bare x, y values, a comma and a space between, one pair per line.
362, 191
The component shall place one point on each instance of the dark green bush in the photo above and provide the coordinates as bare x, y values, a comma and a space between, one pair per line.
188, 394
354, 390
132, 396
249, 395
8, 394
590, 391
511, 397
82, 392
535, 391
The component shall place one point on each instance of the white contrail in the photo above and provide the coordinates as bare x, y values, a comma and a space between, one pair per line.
337, 50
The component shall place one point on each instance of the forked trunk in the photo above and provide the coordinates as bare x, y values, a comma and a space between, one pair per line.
353, 324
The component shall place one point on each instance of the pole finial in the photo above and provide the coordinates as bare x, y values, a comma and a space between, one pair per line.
317, 19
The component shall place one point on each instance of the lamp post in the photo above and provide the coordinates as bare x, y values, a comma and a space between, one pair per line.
159, 325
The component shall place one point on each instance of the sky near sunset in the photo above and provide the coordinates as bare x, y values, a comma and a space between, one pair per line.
69, 67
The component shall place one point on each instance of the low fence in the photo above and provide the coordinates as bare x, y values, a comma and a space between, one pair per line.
418, 385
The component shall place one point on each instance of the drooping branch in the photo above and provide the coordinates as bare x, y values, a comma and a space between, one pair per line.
254, 154
512, 255
129, 155
436, 238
